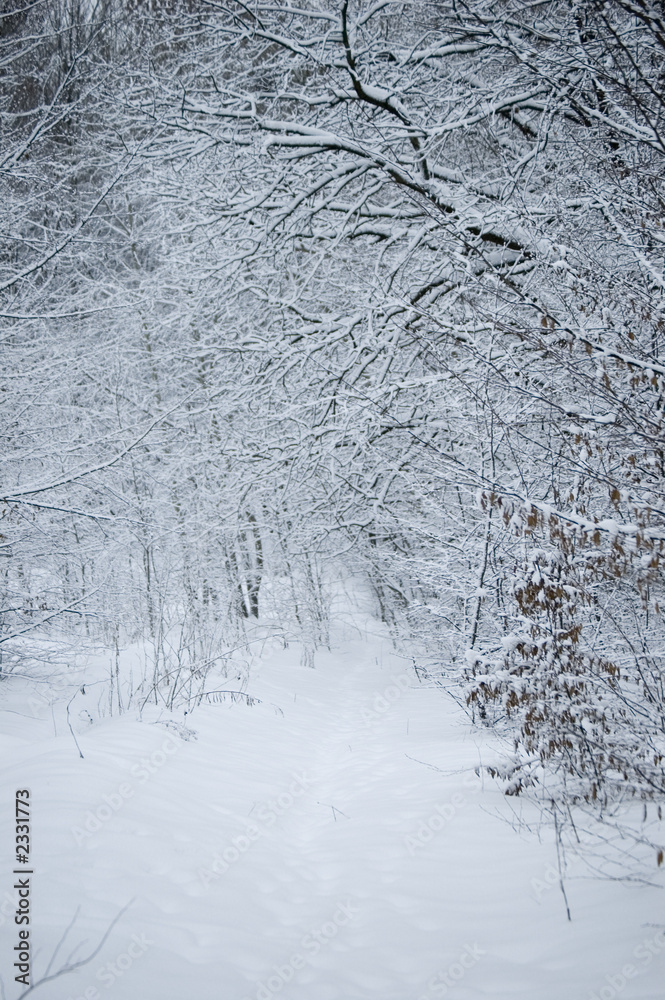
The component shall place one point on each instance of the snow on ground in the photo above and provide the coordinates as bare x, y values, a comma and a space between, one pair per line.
330, 843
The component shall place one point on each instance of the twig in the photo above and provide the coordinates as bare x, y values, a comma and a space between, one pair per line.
334, 810
558, 856
73, 966
62, 940
70, 726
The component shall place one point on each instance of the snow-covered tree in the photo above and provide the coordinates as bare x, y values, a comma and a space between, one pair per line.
373, 284
446, 219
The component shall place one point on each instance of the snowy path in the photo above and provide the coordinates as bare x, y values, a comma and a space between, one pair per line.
296, 848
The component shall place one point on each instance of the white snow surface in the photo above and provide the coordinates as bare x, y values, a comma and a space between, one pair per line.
333, 842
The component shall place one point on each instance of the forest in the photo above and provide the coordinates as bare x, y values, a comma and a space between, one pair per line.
298, 292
